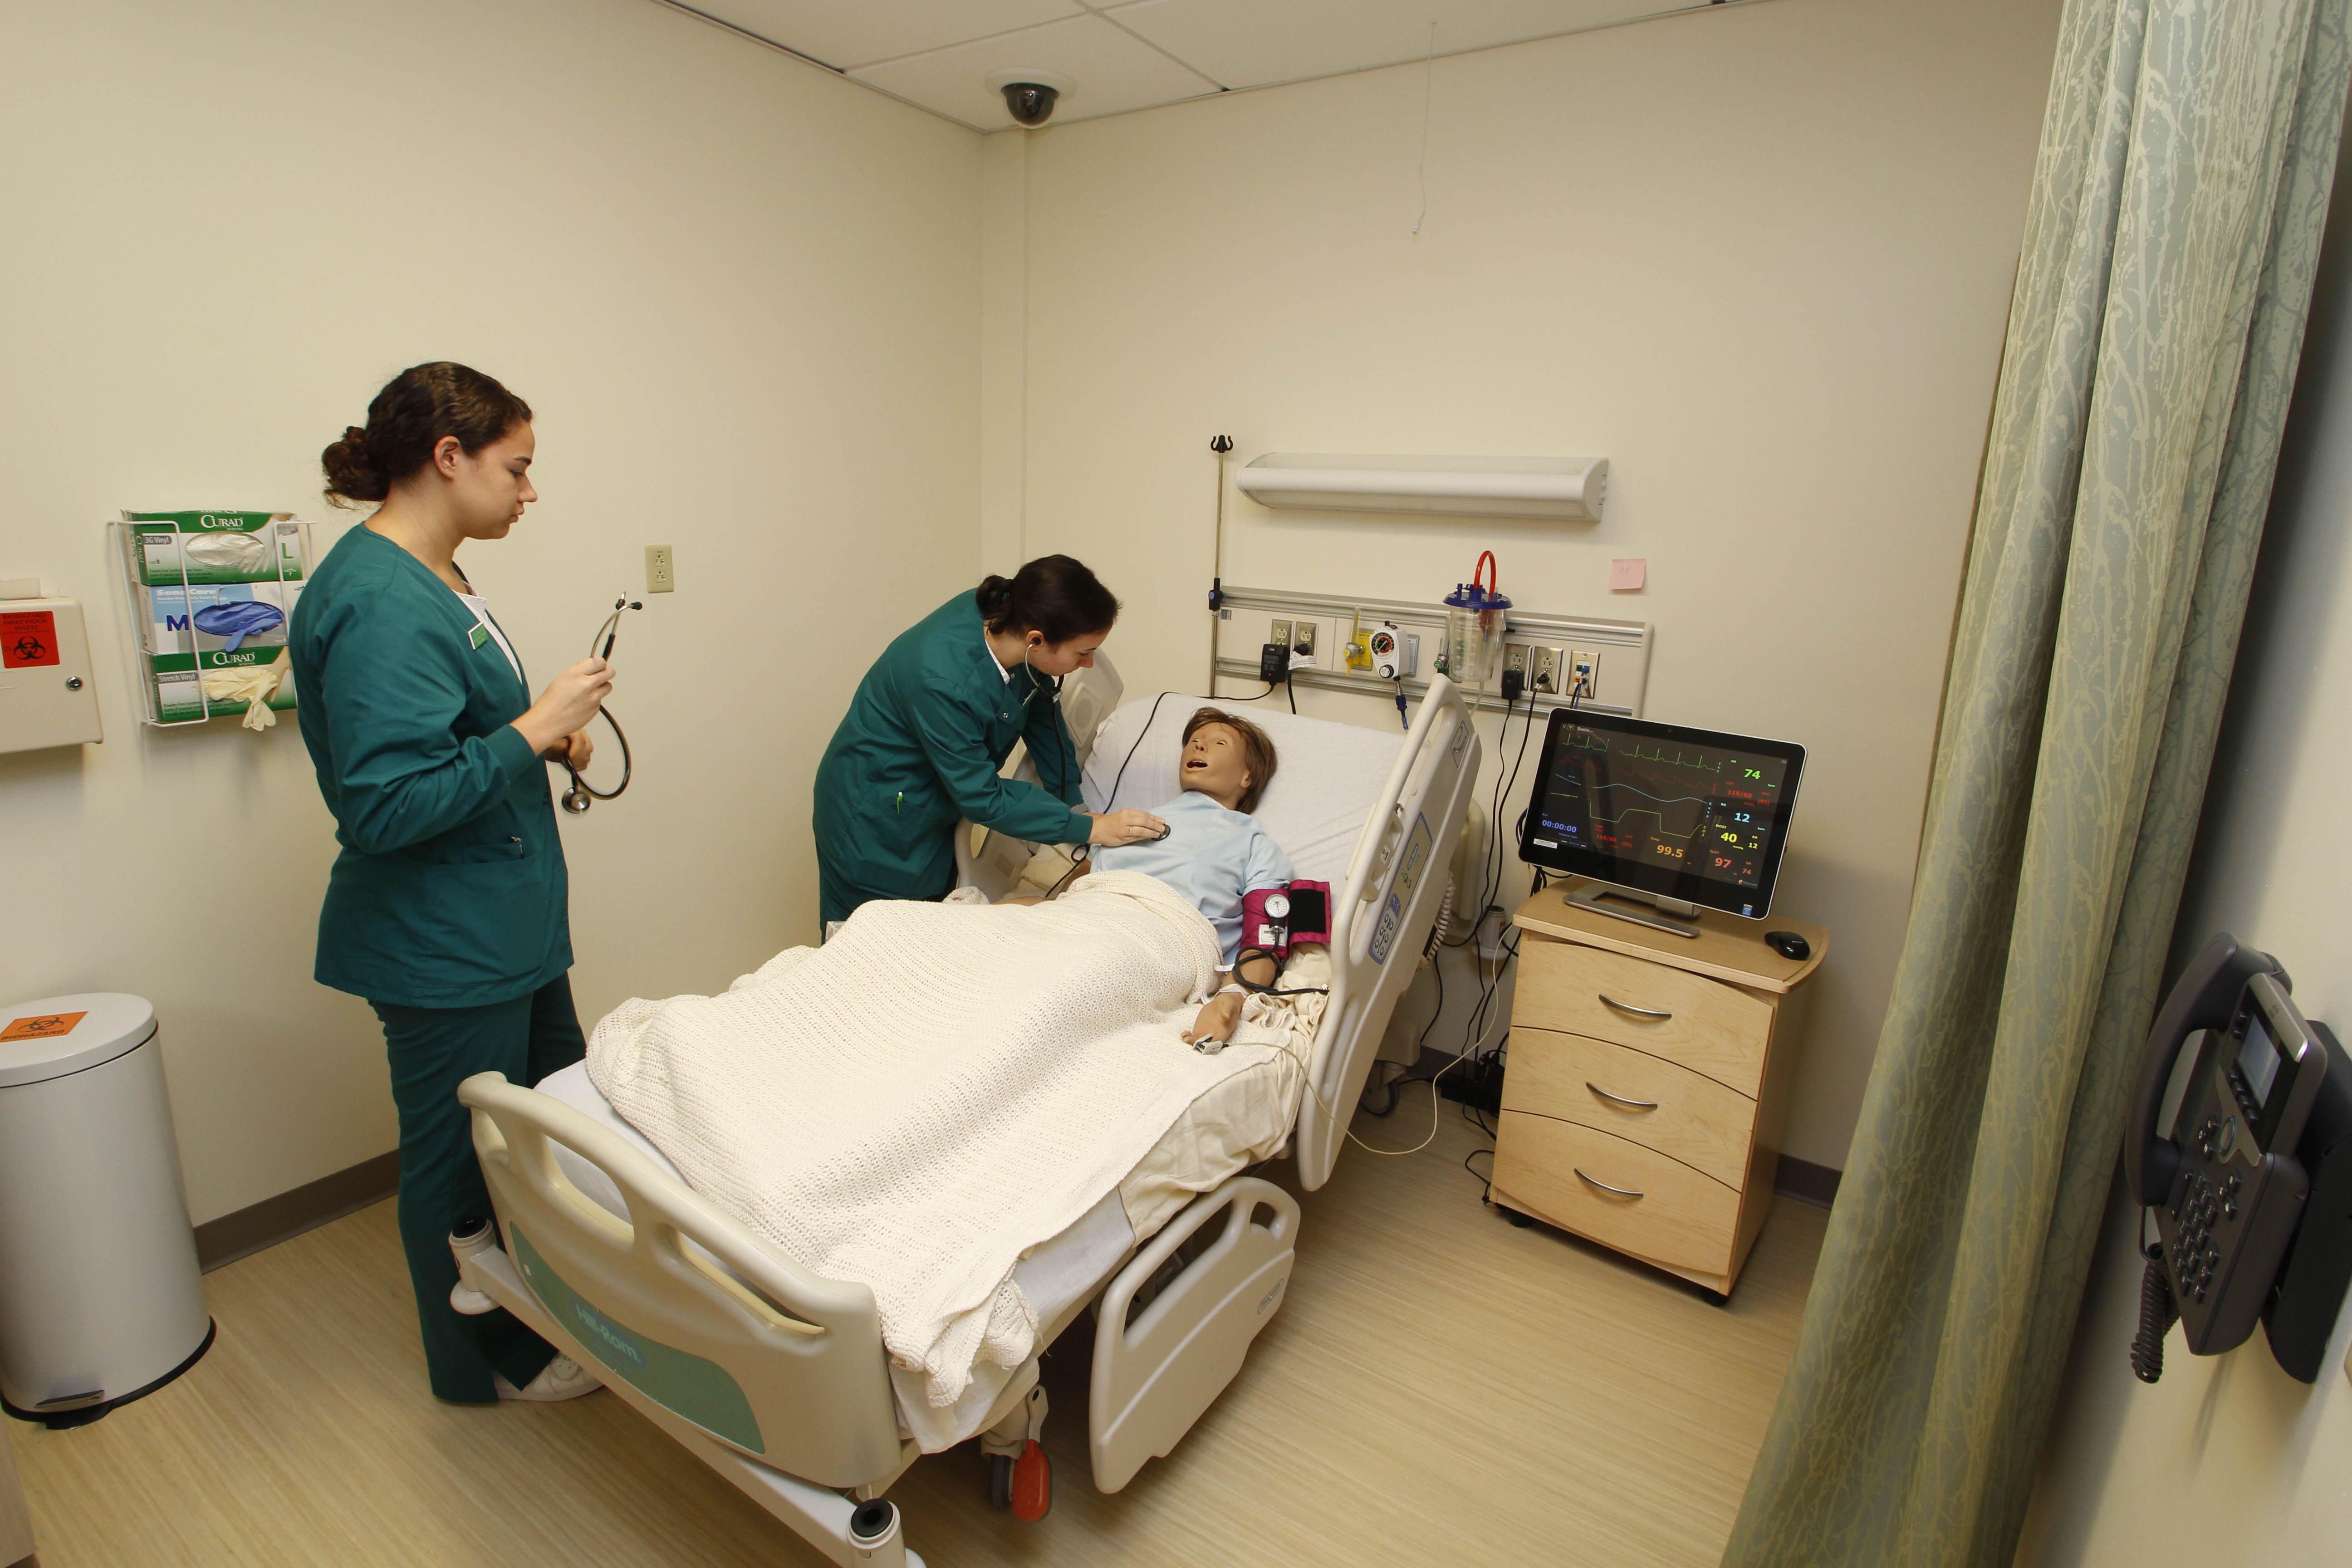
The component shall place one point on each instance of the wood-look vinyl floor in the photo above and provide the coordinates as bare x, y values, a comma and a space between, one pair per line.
1439, 1387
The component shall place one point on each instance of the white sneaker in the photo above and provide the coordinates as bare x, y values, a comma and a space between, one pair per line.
562, 1378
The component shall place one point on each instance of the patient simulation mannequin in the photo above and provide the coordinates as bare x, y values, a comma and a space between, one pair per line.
1215, 853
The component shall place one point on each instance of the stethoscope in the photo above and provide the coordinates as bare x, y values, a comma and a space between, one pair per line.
583, 794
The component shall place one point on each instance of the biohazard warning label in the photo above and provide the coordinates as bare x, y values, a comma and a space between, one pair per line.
43, 1027
27, 638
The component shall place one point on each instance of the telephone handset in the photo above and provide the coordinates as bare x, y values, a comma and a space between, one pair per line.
2228, 1190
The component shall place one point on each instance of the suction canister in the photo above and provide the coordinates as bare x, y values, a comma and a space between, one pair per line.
1475, 619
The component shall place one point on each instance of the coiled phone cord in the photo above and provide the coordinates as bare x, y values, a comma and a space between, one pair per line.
2157, 1312
583, 794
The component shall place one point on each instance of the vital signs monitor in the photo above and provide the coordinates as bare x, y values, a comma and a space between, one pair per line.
1684, 814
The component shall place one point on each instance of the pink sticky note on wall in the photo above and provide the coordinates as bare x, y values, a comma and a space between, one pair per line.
1624, 577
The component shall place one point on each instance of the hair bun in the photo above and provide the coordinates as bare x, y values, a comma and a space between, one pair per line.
354, 439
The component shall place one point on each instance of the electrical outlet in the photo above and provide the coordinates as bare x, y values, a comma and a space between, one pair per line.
1278, 632
1514, 658
661, 572
1584, 668
1302, 643
1548, 670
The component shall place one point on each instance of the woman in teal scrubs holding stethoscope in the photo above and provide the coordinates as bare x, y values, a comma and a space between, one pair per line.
937, 716
446, 907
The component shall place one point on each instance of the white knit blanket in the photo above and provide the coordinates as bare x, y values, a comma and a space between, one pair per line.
932, 1092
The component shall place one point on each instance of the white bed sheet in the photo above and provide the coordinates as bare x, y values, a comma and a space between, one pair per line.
1240, 1122
1326, 778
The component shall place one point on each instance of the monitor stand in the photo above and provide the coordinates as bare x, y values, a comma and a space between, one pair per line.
1674, 915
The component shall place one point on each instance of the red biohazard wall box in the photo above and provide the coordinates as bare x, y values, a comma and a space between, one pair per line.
47, 698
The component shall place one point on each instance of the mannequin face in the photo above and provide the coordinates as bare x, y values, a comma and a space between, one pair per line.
487, 491
1060, 658
1213, 765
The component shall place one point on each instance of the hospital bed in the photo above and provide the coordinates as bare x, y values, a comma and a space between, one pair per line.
777, 1378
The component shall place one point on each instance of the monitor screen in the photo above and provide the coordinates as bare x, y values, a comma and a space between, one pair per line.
2257, 1058
1684, 814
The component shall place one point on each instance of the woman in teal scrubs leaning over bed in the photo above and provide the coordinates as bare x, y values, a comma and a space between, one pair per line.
937, 716
447, 907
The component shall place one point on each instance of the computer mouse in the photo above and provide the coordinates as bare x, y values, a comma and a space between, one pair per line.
1789, 945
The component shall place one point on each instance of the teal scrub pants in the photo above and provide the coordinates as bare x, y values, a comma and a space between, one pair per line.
432, 1050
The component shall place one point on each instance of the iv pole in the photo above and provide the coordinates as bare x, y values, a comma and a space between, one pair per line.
1220, 446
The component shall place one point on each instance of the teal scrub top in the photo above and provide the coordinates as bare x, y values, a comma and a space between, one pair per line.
450, 890
931, 722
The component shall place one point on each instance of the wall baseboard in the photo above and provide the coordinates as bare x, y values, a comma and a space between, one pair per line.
1806, 1181
272, 1220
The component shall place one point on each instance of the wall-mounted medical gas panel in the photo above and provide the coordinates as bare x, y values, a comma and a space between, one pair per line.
1566, 490
46, 697
1319, 628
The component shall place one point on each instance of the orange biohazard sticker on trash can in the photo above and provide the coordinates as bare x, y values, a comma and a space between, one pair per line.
27, 638
43, 1027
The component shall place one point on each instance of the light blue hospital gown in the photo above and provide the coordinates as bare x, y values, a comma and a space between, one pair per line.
1211, 855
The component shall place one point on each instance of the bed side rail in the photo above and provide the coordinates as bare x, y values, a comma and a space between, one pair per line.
1154, 1375
1395, 885
728, 1335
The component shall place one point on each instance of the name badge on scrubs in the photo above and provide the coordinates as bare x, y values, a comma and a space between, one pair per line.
479, 635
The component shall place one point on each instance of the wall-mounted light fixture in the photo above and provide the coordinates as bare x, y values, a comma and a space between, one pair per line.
1568, 490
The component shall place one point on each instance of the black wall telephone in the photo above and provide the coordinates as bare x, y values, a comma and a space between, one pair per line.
2252, 1195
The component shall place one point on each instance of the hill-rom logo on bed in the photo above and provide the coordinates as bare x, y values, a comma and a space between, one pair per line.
1268, 1300
606, 1335
1409, 866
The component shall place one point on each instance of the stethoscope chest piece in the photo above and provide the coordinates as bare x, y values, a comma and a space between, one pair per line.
575, 799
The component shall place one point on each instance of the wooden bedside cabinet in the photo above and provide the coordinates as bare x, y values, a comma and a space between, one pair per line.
1648, 1081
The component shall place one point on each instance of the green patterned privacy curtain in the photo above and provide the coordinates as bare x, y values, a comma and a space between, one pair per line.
2171, 234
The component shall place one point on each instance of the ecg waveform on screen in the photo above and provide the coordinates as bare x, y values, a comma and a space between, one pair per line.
1690, 811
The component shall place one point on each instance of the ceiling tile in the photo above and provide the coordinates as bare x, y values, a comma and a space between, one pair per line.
1113, 72
845, 36
1251, 42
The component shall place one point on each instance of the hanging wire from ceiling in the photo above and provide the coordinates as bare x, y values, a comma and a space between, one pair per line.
1428, 69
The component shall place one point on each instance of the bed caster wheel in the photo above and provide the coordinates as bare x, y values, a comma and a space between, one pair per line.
1379, 1101
1517, 1219
1000, 1480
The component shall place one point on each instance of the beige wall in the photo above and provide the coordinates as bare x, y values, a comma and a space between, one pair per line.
742, 295
1759, 256
2228, 1459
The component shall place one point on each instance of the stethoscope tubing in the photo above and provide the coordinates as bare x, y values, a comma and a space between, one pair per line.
583, 794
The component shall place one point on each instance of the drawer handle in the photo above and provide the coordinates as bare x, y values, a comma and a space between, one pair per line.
1629, 1007
1633, 1104
1621, 1191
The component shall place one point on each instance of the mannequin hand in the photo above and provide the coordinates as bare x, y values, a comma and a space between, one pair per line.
1218, 1016
1118, 827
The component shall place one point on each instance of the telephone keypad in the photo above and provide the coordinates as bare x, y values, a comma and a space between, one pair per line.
2194, 1254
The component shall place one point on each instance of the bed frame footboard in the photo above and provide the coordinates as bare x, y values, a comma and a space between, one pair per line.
1154, 1375
774, 1376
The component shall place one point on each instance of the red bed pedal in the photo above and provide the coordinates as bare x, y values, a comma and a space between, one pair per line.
1032, 1483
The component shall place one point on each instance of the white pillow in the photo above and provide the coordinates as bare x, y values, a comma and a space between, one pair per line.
1326, 778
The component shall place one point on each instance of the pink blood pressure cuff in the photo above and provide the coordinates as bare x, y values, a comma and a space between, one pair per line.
1275, 920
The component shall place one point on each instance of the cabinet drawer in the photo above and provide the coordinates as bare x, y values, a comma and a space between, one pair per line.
1701, 1024
1680, 1218
1637, 1096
